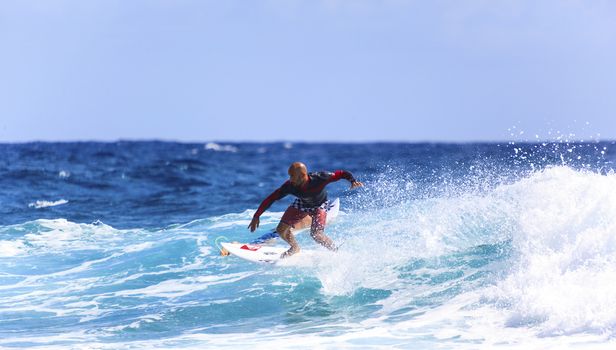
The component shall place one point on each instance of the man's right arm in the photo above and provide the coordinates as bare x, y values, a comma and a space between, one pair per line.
267, 202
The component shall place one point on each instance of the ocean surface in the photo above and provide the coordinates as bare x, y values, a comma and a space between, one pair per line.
465, 246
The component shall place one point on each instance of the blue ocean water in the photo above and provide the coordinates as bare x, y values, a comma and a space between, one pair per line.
109, 245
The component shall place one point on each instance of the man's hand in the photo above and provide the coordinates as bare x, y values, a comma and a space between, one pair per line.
356, 184
254, 224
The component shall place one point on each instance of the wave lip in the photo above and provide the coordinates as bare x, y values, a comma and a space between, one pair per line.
561, 281
45, 204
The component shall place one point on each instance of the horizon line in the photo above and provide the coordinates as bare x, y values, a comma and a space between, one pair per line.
163, 140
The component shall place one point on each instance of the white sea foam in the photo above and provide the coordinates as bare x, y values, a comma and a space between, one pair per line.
11, 248
419, 333
46, 233
560, 222
376, 243
138, 247
178, 288
563, 281
61, 234
45, 204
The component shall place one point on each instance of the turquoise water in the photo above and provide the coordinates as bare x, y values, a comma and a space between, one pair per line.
454, 246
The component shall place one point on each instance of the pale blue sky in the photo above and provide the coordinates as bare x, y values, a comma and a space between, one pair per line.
306, 70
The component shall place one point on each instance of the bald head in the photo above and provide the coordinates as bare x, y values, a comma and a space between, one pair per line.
298, 173
298, 167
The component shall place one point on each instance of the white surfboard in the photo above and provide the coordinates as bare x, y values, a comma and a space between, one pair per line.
255, 252
270, 254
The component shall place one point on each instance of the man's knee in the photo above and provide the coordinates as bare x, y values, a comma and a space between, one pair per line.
283, 229
306, 222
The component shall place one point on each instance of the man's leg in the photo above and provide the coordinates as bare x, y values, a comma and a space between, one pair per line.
291, 218
285, 233
305, 223
317, 229
272, 235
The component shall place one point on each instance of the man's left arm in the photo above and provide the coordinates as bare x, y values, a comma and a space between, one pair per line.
343, 174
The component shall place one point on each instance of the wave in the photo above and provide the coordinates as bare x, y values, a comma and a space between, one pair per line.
546, 261
561, 281
526, 262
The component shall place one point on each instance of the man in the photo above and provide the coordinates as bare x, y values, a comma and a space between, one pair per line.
309, 188
270, 237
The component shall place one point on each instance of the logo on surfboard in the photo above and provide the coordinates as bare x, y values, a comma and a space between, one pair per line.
251, 247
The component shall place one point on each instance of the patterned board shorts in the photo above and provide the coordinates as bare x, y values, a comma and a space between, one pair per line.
297, 211
299, 204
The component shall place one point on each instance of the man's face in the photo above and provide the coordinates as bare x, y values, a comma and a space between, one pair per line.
297, 177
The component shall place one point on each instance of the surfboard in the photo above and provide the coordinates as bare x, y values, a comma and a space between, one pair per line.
255, 252
270, 254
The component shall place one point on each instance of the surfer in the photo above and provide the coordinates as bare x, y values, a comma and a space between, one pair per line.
268, 238
311, 201
272, 235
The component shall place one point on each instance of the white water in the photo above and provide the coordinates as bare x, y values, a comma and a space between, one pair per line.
556, 289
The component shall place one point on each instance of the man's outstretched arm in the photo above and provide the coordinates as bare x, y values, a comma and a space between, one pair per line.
267, 202
343, 174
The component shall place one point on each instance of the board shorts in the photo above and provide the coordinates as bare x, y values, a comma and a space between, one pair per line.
296, 212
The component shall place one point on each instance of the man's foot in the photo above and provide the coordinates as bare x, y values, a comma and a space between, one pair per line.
224, 252
289, 252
